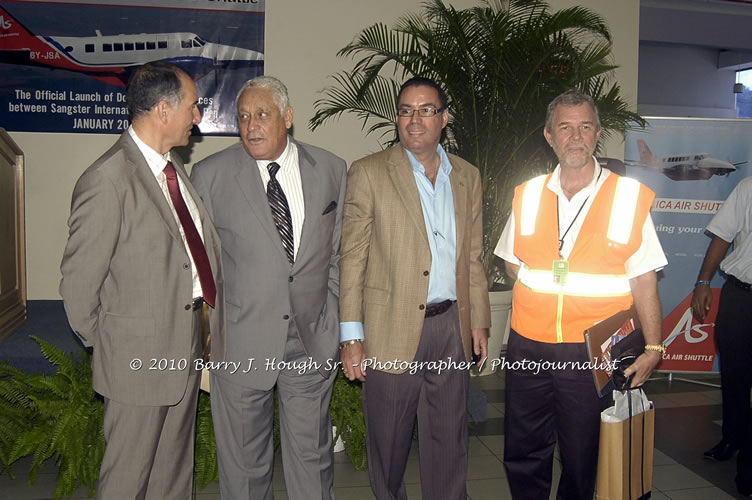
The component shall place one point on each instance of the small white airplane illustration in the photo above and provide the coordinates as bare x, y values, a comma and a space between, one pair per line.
683, 167
108, 57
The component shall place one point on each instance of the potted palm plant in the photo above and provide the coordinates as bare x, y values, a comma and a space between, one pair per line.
500, 63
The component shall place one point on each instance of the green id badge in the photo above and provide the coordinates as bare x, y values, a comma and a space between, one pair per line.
560, 271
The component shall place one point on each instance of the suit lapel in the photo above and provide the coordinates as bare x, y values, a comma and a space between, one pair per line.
401, 173
143, 175
459, 195
312, 197
252, 186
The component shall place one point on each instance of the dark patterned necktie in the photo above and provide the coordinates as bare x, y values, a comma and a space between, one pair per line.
195, 245
280, 211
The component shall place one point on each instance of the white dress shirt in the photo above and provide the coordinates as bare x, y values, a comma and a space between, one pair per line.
157, 162
733, 222
289, 178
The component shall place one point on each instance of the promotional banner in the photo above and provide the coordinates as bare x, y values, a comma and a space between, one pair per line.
65, 65
692, 165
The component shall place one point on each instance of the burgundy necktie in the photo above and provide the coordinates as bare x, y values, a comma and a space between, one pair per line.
196, 246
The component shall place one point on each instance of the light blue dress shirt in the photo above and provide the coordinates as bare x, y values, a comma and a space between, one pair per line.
441, 229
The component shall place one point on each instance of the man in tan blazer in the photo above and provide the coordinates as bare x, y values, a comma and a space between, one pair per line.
414, 297
141, 258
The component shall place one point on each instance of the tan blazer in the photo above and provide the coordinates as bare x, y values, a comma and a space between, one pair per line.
127, 282
386, 258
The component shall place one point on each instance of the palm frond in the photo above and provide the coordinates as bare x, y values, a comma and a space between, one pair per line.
500, 63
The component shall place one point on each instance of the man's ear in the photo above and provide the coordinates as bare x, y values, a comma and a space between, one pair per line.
288, 117
163, 110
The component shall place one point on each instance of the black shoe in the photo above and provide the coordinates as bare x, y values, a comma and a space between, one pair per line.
720, 452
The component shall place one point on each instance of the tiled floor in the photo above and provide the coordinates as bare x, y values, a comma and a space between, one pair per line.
687, 422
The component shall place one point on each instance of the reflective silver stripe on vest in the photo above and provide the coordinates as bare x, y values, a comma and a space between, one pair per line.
531, 196
577, 284
623, 210
620, 221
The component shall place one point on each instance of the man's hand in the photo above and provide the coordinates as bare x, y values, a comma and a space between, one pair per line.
480, 344
702, 299
351, 356
642, 367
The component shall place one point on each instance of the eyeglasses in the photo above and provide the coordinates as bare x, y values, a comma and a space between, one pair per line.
425, 112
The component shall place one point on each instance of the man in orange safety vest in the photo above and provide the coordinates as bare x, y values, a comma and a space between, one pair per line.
581, 245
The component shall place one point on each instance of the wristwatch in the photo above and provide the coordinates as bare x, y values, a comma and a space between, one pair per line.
349, 342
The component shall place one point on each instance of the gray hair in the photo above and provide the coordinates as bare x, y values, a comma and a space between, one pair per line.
279, 91
151, 83
571, 98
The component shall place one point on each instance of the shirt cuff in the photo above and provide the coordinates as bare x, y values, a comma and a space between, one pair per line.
351, 330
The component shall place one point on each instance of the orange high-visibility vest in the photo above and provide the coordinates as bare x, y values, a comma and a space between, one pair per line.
543, 308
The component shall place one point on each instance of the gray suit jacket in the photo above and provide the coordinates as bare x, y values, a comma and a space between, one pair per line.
263, 292
127, 282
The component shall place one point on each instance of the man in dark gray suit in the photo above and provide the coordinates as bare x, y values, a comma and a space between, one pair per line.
141, 258
277, 204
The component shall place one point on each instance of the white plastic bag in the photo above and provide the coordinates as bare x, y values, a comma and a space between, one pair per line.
620, 410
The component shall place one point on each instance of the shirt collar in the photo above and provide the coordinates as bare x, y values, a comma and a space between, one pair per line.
445, 166
599, 175
156, 161
282, 160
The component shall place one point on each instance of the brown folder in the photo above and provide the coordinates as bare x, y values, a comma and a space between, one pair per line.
600, 340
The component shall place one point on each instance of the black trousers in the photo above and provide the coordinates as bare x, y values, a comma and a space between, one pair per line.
549, 399
733, 334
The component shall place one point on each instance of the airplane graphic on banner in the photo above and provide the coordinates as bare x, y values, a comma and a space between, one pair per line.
683, 166
109, 57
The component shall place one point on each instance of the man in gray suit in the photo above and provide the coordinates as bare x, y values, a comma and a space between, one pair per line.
141, 258
277, 204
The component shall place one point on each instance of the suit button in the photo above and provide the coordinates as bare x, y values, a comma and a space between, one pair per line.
290, 279
186, 266
425, 273
286, 316
188, 307
421, 307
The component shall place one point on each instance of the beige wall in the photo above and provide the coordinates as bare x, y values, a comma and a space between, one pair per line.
302, 39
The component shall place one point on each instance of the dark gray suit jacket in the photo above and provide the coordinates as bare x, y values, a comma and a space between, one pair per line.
263, 292
127, 282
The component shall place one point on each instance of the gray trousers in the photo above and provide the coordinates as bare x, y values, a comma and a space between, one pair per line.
150, 449
243, 420
439, 400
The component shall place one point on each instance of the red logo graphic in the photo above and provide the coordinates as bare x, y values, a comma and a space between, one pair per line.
690, 345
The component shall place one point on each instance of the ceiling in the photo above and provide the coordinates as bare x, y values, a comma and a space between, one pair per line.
725, 25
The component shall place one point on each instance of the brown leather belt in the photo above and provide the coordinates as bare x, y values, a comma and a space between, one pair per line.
438, 308
738, 283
